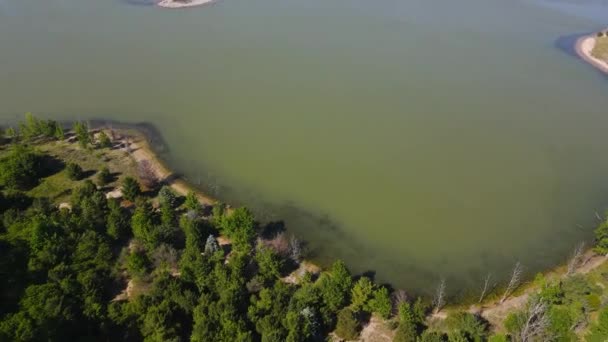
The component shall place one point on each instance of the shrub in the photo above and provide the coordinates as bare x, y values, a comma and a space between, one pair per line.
468, 324
166, 196
74, 171
348, 325
104, 140
600, 34
20, 169
593, 302
104, 176
130, 189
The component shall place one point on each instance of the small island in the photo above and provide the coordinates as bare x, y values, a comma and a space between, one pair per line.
594, 50
182, 3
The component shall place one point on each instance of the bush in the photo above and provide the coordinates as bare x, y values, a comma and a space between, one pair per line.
104, 176
348, 325
593, 302
166, 196
130, 189
468, 325
104, 140
20, 169
74, 171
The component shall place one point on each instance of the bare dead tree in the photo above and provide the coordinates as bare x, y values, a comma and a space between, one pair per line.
486, 287
514, 282
535, 322
576, 258
295, 248
398, 297
439, 300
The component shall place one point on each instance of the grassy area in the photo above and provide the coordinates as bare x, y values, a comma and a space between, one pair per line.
600, 50
57, 186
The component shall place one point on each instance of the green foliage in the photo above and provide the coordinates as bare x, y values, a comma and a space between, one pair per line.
82, 134
104, 176
130, 189
59, 134
472, 327
240, 228
406, 332
138, 264
498, 338
431, 336
21, 168
192, 203
166, 196
269, 264
335, 286
361, 294
381, 302
599, 330
104, 140
118, 221
348, 326
74, 171
561, 322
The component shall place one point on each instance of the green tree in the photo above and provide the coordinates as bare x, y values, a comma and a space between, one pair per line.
130, 189
117, 220
240, 227
336, 286
599, 330
381, 302
74, 171
82, 134
431, 336
104, 176
20, 168
192, 203
59, 134
104, 140
361, 294
348, 326
166, 196
142, 224
472, 327
269, 264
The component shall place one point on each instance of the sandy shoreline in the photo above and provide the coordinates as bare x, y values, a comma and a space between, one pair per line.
136, 144
583, 47
180, 4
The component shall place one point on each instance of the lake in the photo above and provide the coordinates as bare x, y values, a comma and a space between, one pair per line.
418, 139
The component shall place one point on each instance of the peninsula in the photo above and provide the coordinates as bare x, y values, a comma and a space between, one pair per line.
594, 49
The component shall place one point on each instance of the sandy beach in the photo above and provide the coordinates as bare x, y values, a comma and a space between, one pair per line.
136, 144
584, 46
182, 4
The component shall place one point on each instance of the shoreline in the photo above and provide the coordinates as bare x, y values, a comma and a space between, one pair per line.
583, 47
175, 4
137, 144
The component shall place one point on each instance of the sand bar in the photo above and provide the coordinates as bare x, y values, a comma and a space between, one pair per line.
182, 4
584, 46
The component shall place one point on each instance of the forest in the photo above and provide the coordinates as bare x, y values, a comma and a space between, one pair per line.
153, 265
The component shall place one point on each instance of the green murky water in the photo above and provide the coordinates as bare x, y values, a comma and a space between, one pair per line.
419, 139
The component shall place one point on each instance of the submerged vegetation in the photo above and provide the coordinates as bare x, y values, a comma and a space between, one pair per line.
90, 252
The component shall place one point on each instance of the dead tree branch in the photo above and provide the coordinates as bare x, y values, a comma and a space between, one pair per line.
514, 282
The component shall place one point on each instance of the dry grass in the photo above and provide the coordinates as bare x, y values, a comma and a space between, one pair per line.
600, 50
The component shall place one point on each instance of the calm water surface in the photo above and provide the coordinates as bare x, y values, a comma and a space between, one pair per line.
416, 138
